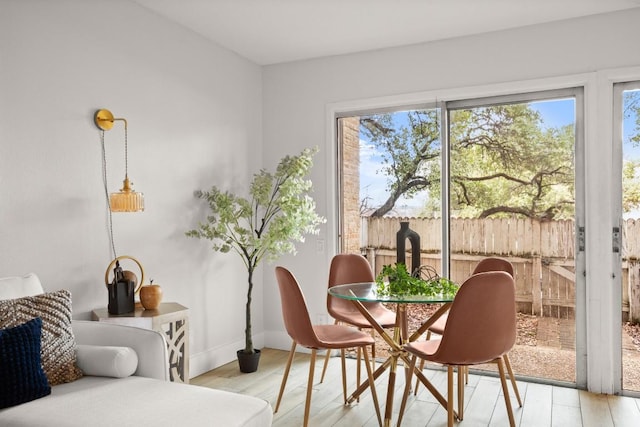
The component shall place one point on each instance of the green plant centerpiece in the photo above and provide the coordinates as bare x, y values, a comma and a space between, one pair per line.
278, 213
395, 281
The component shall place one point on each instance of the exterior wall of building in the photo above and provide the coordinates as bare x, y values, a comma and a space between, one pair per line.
350, 132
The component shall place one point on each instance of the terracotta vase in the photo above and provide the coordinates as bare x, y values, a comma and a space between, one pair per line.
150, 296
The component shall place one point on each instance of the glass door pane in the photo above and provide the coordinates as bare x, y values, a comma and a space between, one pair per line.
390, 173
627, 116
513, 196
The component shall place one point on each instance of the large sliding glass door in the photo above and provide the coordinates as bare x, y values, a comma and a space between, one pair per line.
477, 178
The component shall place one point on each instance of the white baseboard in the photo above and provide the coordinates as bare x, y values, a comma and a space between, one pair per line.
215, 357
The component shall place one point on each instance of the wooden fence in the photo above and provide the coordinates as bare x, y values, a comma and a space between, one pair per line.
542, 254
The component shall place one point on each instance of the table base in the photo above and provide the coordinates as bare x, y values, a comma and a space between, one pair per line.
400, 337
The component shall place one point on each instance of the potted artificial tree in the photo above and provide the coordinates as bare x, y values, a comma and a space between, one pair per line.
277, 213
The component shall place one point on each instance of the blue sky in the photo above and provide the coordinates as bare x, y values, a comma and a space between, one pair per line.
556, 113
560, 113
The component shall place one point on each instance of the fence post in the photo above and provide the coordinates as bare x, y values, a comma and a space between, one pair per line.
634, 292
371, 256
536, 289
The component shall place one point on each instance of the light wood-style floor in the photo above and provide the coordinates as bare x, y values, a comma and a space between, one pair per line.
543, 405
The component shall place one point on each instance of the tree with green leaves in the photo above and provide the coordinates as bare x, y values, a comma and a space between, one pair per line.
278, 213
503, 161
410, 153
632, 109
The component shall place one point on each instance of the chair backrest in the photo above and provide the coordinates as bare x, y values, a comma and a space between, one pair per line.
347, 268
294, 310
493, 264
481, 324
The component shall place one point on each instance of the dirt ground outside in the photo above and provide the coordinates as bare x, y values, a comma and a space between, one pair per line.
545, 347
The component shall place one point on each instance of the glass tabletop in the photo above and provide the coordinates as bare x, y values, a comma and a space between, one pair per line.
367, 292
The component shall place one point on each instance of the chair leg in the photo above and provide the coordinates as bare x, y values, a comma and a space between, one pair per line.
326, 363
512, 378
286, 374
463, 380
449, 396
461, 370
326, 358
307, 403
407, 389
358, 368
344, 376
505, 391
373, 350
421, 367
373, 357
372, 385
415, 392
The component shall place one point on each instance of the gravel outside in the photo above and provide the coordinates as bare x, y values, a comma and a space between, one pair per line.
545, 347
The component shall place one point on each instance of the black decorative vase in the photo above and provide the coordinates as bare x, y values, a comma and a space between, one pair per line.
401, 241
248, 362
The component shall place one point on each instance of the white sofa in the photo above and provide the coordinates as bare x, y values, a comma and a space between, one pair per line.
145, 398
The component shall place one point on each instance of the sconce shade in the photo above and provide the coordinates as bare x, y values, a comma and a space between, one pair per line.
126, 200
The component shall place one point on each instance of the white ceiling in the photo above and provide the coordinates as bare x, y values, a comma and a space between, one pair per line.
275, 31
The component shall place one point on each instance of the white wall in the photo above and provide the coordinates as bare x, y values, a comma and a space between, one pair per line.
298, 97
194, 115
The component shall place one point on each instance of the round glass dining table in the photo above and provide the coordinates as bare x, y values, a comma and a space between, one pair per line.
367, 292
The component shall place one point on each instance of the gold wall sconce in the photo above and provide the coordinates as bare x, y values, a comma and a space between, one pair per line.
126, 200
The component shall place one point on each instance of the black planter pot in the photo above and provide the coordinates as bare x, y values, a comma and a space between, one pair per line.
248, 362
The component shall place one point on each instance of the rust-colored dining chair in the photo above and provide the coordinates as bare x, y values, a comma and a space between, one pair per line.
481, 328
486, 264
316, 337
354, 268
493, 264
